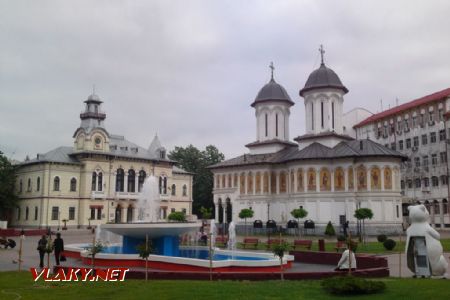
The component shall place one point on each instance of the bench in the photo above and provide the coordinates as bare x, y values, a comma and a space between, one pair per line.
302, 244
250, 242
274, 242
341, 245
221, 241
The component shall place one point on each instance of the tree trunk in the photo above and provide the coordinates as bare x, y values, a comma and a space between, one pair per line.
281, 269
146, 268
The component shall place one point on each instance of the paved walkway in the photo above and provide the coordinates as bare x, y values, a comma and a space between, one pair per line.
30, 257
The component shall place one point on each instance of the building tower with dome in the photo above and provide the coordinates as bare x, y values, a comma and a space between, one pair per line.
327, 172
98, 179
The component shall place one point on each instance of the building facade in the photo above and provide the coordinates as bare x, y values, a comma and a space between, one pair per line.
97, 180
326, 172
419, 129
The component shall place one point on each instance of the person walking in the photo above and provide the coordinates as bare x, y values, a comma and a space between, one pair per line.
58, 246
42, 244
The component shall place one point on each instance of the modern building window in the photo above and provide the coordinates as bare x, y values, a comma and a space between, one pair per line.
29, 185
436, 207
416, 162
174, 190
55, 213
71, 213
184, 190
400, 145
426, 182
27, 212
408, 143
141, 179
131, 181
38, 184
444, 180
431, 116
92, 213
417, 182
414, 121
94, 181
424, 139
56, 184
73, 185
100, 182
442, 136
416, 141
434, 159
433, 137
443, 156
99, 213
409, 184
434, 181
120, 177
425, 160
441, 115
36, 213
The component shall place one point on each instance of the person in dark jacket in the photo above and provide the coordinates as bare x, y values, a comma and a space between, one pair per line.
42, 244
58, 245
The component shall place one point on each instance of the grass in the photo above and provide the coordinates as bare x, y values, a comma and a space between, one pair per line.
13, 284
370, 247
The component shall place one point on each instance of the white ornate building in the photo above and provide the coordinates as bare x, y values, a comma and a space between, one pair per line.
98, 179
327, 172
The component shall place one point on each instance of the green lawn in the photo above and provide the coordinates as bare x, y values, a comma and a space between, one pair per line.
13, 284
370, 247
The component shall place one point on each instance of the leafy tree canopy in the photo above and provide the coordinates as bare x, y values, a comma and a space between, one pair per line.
246, 213
193, 160
363, 213
206, 212
8, 198
299, 213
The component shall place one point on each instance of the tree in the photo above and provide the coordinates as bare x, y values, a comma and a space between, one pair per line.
195, 161
206, 212
177, 216
8, 197
299, 213
96, 247
244, 214
329, 230
144, 250
279, 250
362, 214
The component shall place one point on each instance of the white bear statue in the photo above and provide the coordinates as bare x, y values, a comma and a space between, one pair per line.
418, 217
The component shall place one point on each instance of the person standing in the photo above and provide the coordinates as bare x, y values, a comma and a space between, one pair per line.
58, 245
42, 244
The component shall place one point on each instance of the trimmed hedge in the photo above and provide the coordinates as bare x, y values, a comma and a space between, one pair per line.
389, 244
382, 238
349, 285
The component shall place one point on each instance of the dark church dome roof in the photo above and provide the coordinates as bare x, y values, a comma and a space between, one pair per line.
272, 91
323, 77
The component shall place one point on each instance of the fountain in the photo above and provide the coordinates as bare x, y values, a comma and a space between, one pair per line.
165, 240
232, 237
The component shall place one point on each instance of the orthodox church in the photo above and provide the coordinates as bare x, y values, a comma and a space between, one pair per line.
327, 172
98, 179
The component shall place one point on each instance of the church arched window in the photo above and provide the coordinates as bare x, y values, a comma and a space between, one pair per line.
250, 183
387, 178
141, 179
375, 178
283, 182
94, 181
273, 182
258, 183
242, 183
184, 190
311, 179
38, 184
339, 179
174, 190
100, 182
361, 175
73, 185
325, 179
300, 184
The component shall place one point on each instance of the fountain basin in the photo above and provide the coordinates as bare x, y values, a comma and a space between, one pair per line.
225, 260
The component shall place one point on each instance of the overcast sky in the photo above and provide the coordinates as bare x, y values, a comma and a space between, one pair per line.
189, 70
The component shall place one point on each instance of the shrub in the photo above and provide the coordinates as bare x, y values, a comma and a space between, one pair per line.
341, 238
349, 285
330, 229
381, 238
389, 244
177, 216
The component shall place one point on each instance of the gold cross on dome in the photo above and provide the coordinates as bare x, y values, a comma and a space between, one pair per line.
322, 52
272, 68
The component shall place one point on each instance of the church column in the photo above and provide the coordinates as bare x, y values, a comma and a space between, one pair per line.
125, 182
124, 215
382, 178
216, 212
136, 183
317, 180
332, 179
224, 212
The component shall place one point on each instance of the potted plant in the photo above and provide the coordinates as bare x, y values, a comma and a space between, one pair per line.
65, 224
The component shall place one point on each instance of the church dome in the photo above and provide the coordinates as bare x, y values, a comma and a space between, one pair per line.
93, 97
323, 77
272, 91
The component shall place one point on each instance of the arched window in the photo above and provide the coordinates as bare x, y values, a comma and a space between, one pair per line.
141, 179
266, 182
100, 182
436, 207
56, 184
339, 179
375, 178
120, 179
29, 185
283, 182
325, 179
361, 174
174, 190
27, 211
94, 181
311, 179
351, 184
273, 183
229, 180
242, 183
73, 185
184, 190
250, 183
300, 184
38, 184
36, 211
163, 185
444, 206
387, 178
258, 183
18, 213
20, 186
131, 181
